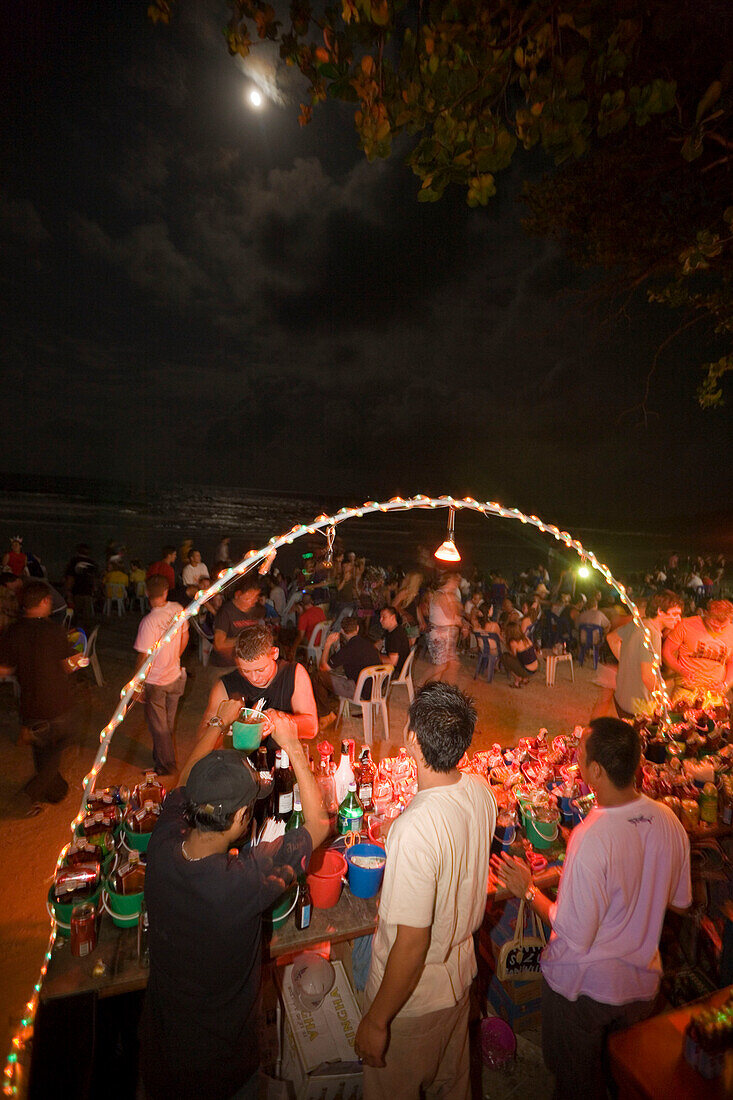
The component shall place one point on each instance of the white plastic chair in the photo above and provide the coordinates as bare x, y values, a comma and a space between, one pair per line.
380, 676
114, 596
141, 597
90, 651
205, 644
405, 677
314, 649
68, 616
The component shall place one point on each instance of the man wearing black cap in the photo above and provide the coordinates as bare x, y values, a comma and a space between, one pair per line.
198, 1033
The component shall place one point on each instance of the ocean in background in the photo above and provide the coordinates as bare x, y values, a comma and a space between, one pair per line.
54, 514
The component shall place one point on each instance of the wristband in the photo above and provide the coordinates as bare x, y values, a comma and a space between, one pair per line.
215, 720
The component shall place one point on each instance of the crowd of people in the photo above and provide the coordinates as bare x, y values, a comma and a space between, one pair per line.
626, 863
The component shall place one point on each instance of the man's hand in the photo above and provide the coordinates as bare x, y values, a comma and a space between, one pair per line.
229, 710
512, 873
285, 728
332, 639
371, 1042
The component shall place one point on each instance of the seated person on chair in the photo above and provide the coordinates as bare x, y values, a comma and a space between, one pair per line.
396, 642
353, 654
308, 619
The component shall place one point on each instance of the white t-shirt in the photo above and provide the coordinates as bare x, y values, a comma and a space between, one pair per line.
195, 574
436, 877
166, 668
625, 865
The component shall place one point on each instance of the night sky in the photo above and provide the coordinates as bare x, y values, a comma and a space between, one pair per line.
192, 291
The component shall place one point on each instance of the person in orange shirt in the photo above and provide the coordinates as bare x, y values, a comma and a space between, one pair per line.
699, 650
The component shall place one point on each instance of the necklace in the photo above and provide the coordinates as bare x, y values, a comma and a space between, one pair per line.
186, 856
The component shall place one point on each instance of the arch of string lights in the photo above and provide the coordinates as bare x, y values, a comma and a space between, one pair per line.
262, 560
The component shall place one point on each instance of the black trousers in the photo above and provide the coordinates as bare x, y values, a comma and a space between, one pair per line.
574, 1037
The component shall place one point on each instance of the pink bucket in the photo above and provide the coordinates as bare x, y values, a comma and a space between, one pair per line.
498, 1042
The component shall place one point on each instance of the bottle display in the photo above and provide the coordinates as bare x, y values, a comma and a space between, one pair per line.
149, 790
144, 819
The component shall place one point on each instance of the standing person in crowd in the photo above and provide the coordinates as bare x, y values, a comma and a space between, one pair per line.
14, 560
446, 616
699, 650
164, 567
625, 865
166, 680
259, 673
223, 555
413, 1037
37, 651
195, 573
635, 679
199, 1026
243, 609
396, 642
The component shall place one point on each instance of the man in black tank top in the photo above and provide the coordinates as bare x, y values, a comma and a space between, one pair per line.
258, 674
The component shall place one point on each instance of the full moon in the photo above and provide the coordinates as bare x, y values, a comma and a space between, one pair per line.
255, 97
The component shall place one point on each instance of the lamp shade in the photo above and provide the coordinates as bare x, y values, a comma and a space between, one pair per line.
447, 551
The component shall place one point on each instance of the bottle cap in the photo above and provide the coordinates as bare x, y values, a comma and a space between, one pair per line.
352, 787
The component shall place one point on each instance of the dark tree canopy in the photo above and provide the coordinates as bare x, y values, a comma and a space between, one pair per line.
631, 100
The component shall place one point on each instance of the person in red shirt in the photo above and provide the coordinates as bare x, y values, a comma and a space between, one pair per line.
15, 561
164, 567
308, 618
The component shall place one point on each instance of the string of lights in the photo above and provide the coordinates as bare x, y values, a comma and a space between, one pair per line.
262, 560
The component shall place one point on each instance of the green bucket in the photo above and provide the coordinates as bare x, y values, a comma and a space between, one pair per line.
137, 842
60, 911
540, 834
281, 910
124, 909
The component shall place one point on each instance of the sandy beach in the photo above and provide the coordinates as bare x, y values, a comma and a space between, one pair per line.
29, 846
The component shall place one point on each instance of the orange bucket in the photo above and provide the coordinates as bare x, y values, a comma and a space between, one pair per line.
324, 876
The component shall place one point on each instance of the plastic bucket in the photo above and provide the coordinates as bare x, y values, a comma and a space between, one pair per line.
498, 1042
282, 909
247, 735
124, 909
540, 834
137, 842
325, 876
363, 881
60, 911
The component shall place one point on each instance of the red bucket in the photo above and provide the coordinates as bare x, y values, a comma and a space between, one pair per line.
324, 876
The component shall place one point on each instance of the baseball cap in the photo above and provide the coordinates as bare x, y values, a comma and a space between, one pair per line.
224, 780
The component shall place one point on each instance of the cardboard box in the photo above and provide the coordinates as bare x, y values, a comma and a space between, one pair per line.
519, 1003
318, 1047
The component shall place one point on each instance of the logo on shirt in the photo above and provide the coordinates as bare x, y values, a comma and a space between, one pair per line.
639, 820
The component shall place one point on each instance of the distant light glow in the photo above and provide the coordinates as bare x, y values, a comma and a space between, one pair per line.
583, 571
255, 97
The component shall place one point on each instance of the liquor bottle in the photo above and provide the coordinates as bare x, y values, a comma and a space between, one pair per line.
263, 807
304, 907
324, 779
401, 768
296, 818
351, 813
283, 788
145, 819
365, 777
150, 790
131, 875
83, 851
345, 771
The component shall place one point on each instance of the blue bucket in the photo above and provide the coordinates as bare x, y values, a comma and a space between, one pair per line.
363, 882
